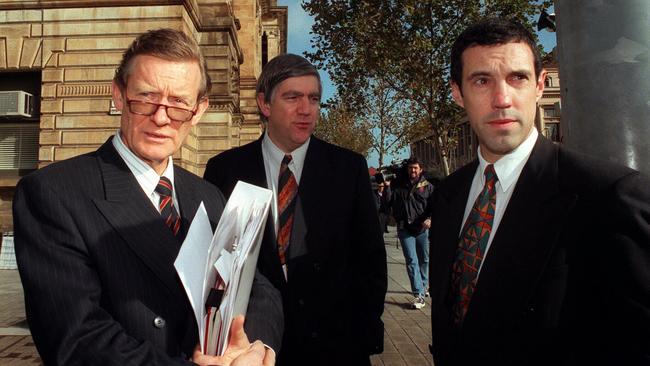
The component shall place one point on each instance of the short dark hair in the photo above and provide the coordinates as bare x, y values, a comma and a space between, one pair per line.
413, 160
491, 31
167, 44
279, 69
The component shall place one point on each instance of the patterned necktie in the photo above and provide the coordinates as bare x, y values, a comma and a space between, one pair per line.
287, 189
472, 245
166, 205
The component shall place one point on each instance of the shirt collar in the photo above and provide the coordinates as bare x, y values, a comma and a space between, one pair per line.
276, 154
144, 174
510, 165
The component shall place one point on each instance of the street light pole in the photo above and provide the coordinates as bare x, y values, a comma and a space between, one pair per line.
604, 58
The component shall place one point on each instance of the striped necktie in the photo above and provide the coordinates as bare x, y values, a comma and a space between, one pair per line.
287, 189
472, 245
166, 205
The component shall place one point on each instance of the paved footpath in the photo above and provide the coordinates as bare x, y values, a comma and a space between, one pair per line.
408, 331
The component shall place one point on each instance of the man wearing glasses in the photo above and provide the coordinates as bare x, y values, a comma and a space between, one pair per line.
97, 235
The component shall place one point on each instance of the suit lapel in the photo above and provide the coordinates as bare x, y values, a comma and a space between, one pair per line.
523, 243
311, 191
188, 200
133, 216
255, 173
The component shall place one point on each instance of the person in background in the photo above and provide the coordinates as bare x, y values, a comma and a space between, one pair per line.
411, 205
382, 201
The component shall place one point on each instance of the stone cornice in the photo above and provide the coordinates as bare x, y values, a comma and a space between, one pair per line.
194, 10
52, 4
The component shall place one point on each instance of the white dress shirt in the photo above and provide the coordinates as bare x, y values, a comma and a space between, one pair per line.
273, 156
144, 174
508, 169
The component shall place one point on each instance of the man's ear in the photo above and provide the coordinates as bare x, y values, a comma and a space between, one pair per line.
116, 94
457, 94
264, 107
540, 83
201, 107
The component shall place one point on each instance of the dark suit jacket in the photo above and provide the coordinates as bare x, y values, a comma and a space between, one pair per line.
96, 263
334, 296
566, 280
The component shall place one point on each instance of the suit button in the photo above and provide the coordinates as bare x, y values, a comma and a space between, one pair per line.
159, 322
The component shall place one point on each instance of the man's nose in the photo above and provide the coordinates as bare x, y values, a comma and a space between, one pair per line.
160, 117
501, 98
304, 106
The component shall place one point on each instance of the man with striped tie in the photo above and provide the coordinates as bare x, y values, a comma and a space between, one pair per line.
323, 247
97, 235
539, 255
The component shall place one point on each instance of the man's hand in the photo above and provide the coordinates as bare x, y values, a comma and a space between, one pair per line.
240, 352
426, 224
256, 354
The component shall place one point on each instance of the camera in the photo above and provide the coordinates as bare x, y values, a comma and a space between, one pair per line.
390, 173
383, 176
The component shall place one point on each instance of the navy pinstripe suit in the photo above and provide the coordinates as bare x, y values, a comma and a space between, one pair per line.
96, 262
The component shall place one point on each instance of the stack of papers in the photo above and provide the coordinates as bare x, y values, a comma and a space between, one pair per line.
217, 270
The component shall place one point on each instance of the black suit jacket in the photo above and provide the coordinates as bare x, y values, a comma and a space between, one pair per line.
334, 296
96, 263
567, 278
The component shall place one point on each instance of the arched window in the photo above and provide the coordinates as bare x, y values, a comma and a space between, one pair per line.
548, 81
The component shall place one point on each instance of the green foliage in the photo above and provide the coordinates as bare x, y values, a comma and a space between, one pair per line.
403, 45
341, 127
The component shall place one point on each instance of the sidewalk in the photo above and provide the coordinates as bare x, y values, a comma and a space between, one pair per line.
408, 332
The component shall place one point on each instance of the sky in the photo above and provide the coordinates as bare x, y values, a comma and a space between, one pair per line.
298, 38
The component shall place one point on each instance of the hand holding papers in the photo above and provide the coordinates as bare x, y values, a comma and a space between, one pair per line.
217, 270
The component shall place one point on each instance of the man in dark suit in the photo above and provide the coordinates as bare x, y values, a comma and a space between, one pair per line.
323, 247
97, 235
539, 255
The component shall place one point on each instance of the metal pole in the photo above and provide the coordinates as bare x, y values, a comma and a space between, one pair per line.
604, 57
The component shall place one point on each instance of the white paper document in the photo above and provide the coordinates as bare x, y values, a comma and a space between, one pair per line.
219, 269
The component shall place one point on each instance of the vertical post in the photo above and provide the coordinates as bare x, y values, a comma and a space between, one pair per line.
604, 56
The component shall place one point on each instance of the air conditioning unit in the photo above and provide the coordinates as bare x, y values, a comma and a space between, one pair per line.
16, 103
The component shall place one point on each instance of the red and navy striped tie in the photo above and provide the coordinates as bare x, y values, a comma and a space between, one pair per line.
287, 189
166, 205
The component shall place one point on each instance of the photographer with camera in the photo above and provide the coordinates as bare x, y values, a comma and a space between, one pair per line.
382, 196
412, 204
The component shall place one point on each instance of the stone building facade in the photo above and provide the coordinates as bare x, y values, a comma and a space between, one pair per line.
65, 52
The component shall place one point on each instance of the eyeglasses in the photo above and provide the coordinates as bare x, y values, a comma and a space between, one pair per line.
148, 108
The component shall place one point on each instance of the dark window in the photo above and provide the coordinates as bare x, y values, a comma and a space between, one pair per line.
553, 131
265, 49
549, 112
